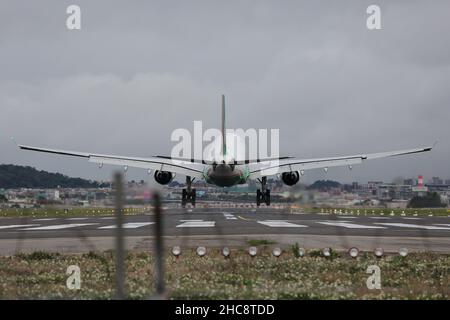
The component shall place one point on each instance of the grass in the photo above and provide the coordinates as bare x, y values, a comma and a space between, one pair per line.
65, 212
43, 276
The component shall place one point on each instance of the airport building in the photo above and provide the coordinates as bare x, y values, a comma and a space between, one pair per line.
372, 193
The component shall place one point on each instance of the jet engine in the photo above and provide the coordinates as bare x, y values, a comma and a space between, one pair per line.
163, 177
290, 178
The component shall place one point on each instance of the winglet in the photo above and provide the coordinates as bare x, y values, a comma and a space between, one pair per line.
435, 143
430, 148
14, 140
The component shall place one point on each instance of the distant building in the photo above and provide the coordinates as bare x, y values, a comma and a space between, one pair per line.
390, 192
373, 187
436, 181
409, 182
420, 188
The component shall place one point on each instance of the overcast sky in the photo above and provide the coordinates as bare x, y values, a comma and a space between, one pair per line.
137, 70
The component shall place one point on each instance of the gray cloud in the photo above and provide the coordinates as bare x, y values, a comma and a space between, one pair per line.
137, 71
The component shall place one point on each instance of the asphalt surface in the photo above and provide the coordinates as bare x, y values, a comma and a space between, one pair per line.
232, 225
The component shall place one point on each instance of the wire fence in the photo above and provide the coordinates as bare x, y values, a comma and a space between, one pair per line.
200, 244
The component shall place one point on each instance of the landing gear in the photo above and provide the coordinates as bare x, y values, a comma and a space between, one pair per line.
188, 195
263, 195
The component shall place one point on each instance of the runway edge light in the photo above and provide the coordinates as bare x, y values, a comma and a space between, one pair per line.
201, 251
403, 252
379, 252
226, 252
353, 252
276, 252
301, 252
176, 251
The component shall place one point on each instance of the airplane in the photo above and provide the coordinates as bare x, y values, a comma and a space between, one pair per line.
226, 171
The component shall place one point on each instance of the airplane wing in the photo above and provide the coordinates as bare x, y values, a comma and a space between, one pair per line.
194, 170
259, 170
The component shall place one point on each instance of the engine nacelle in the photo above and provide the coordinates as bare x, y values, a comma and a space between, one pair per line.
290, 178
163, 177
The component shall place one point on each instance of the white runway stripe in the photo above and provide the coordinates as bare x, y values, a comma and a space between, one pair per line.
350, 225
61, 226
347, 217
18, 226
130, 225
107, 218
386, 218
196, 224
45, 219
409, 218
442, 224
281, 224
407, 225
229, 216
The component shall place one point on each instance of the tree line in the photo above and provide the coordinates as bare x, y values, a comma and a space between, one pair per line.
13, 176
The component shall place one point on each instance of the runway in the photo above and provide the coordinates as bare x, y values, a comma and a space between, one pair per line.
214, 227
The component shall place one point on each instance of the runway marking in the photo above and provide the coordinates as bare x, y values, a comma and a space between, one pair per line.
409, 218
45, 219
245, 219
108, 218
346, 224
130, 225
281, 224
76, 219
61, 226
17, 226
442, 224
191, 220
229, 216
407, 225
196, 224
387, 218
347, 217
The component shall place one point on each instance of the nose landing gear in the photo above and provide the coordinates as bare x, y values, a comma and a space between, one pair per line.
188, 195
263, 195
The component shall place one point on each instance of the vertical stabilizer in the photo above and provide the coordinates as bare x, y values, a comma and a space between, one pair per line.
224, 137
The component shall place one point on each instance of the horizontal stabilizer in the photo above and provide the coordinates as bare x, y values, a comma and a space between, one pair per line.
235, 162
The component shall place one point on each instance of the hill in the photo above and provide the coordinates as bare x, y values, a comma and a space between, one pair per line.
12, 176
324, 185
